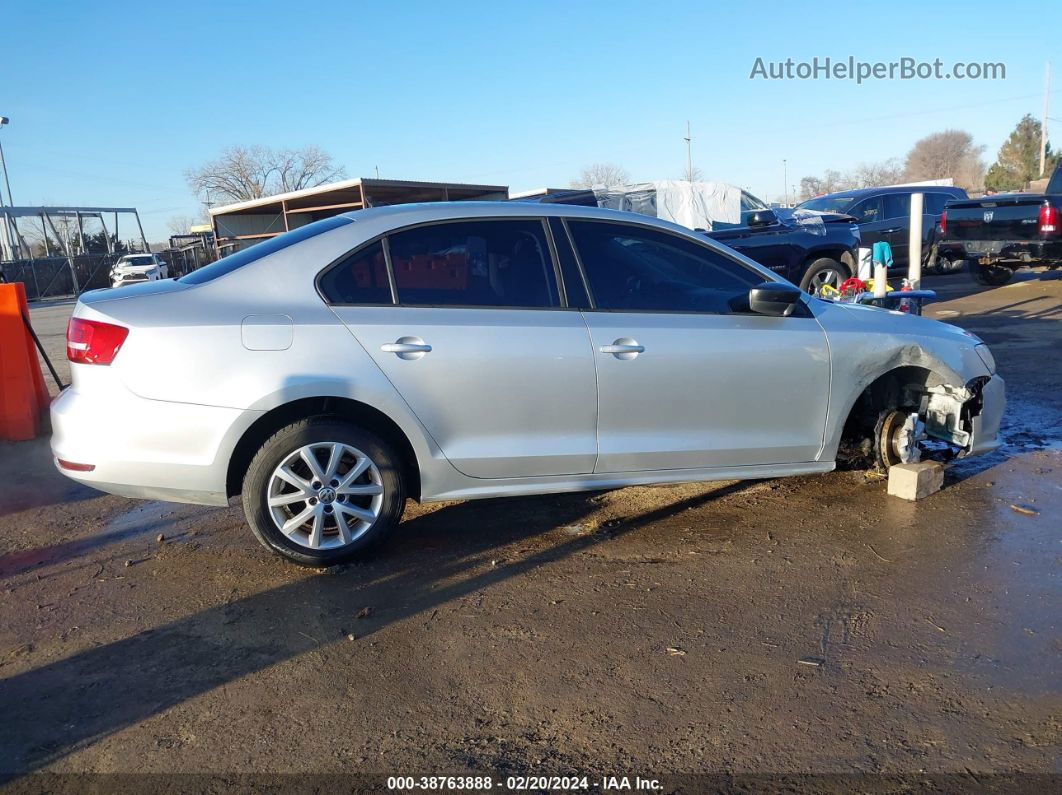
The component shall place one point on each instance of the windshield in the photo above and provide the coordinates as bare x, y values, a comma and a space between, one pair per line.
137, 261
827, 204
248, 255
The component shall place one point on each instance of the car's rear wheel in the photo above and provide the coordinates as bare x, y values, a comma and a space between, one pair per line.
823, 272
990, 275
322, 491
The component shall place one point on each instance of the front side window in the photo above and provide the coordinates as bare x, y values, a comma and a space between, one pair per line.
867, 211
503, 263
898, 205
632, 268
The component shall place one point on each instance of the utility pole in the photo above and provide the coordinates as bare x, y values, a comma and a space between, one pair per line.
689, 153
785, 182
3, 165
1043, 124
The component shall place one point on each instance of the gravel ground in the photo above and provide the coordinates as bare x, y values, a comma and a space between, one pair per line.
786, 626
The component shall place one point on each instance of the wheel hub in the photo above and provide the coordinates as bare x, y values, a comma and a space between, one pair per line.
327, 495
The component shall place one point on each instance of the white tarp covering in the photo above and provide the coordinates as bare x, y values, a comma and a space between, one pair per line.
697, 205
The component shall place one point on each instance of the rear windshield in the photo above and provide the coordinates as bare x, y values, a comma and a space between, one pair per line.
1055, 185
265, 248
827, 204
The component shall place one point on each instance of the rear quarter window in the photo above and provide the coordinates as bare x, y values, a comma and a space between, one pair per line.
228, 264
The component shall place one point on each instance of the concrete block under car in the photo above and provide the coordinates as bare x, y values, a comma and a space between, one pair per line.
915, 481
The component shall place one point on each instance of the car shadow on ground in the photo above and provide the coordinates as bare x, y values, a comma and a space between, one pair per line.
31, 480
437, 558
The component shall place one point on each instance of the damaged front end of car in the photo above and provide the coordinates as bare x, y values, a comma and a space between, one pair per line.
909, 406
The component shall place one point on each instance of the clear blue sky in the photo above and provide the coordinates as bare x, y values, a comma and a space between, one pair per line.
111, 102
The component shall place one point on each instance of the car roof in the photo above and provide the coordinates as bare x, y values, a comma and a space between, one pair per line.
860, 193
402, 214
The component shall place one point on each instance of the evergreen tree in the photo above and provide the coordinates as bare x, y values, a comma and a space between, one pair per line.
1019, 158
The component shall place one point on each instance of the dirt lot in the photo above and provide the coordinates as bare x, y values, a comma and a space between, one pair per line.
809, 624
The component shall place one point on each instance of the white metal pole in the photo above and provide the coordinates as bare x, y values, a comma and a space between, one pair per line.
914, 242
1043, 123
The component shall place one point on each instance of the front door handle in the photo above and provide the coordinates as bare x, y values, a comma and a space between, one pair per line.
624, 348
407, 347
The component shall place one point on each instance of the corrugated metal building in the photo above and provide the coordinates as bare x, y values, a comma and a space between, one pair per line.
242, 224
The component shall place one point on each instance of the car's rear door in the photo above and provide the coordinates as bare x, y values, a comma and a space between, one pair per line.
477, 342
686, 379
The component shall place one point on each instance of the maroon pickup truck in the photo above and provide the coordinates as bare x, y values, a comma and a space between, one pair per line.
1001, 233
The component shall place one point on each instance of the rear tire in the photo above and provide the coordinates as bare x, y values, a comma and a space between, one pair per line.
990, 275
347, 503
823, 271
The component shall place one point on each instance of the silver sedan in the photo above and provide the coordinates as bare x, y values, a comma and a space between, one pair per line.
460, 350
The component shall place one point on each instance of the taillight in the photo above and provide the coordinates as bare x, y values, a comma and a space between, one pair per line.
944, 223
1048, 219
93, 342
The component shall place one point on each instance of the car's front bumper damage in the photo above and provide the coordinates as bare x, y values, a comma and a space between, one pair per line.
967, 417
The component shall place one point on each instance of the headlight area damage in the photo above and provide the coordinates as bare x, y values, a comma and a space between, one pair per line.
910, 405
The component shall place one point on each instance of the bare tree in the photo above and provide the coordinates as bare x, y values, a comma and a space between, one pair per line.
305, 168
876, 175
831, 181
950, 153
607, 174
692, 174
251, 172
180, 224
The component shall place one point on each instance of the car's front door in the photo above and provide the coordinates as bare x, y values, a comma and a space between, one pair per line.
687, 377
478, 345
897, 216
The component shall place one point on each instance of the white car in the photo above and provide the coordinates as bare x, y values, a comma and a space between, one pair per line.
136, 268
460, 350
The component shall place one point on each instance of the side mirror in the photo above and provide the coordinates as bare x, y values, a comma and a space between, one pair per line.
774, 298
763, 218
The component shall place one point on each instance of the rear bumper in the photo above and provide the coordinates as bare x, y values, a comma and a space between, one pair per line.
984, 435
146, 448
990, 252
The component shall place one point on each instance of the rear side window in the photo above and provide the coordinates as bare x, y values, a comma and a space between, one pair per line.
897, 205
474, 263
633, 268
361, 278
230, 263
934, 202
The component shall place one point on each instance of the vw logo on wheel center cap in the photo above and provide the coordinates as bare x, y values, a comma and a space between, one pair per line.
327, 495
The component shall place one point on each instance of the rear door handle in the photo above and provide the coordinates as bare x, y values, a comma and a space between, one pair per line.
407, 347
890, 231
623, 348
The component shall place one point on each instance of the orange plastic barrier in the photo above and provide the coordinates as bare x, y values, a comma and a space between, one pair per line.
23, 396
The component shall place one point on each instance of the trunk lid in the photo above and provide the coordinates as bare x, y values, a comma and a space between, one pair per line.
1009, 217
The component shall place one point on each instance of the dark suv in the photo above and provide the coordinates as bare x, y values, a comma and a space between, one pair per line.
884, 214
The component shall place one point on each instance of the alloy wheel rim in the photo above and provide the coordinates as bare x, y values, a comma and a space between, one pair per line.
824, 277
325, 495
